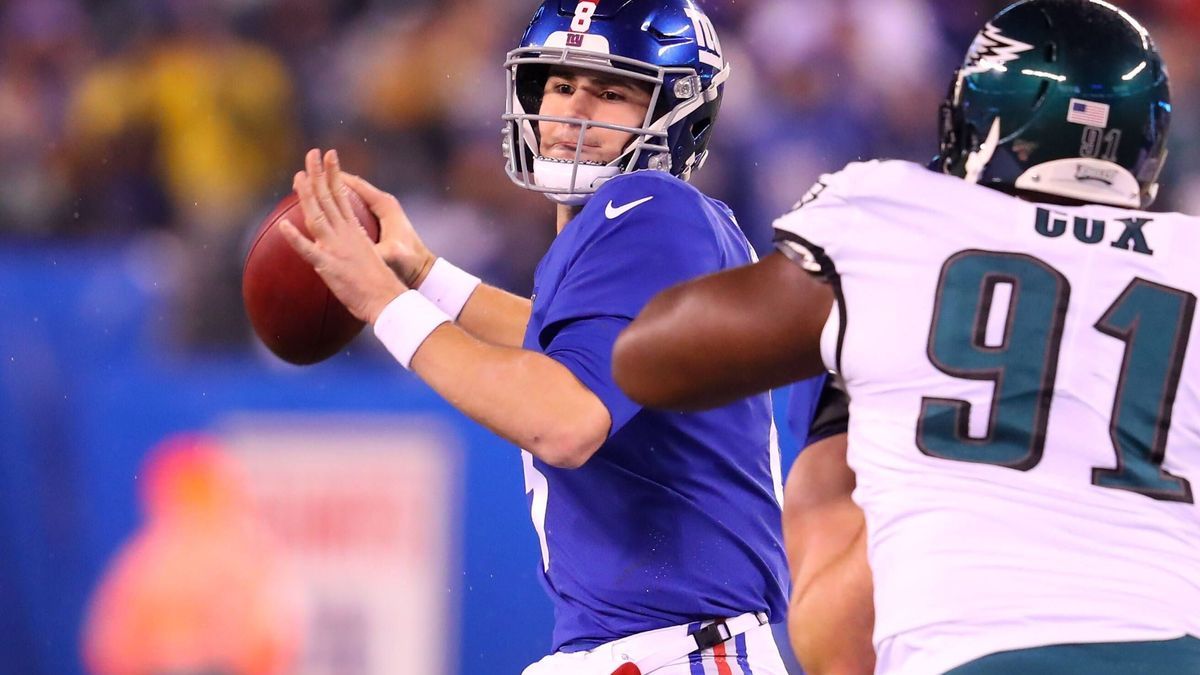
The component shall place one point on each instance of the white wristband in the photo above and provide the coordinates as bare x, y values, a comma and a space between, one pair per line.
405, 323
448, 287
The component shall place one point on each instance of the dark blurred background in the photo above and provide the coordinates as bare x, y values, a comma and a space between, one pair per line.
142, 140
181, 121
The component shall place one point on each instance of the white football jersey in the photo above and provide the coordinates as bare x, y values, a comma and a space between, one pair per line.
1024, 388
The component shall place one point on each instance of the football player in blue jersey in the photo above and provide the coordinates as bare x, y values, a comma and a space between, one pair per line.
659, 532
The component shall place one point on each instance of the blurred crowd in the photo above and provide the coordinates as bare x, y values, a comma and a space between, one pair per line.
183, 120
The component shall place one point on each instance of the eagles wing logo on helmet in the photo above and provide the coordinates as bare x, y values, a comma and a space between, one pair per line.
991, 50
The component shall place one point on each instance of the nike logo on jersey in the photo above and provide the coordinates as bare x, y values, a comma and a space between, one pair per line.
612, 212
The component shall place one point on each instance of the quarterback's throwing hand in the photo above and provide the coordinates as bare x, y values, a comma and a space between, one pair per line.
399, 244
339, 249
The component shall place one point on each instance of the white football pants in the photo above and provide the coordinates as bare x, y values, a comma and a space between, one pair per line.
751, 653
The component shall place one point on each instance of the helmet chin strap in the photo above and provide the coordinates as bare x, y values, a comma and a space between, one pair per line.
978, 160
558, 175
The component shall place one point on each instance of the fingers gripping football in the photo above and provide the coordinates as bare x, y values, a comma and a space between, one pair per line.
339, 251
399, 244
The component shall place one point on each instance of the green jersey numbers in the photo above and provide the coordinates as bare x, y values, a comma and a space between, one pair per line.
971, 337
1154, 323
1022, 362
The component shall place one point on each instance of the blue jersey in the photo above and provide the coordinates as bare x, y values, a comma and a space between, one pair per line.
816, 416
676, 518
801, 408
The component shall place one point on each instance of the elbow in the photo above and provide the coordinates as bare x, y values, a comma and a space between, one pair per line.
569, 447
564, 459
564, 453
570, 425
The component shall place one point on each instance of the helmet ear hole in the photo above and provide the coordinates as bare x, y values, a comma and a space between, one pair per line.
701, 128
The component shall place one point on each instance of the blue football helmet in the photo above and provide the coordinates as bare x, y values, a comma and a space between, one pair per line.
669, 44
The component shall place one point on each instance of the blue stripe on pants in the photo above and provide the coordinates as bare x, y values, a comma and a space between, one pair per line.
743, 659
695, 663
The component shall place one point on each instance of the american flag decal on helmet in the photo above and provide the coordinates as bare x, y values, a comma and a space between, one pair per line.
1088, 113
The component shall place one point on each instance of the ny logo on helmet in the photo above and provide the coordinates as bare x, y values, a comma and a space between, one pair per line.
706, 38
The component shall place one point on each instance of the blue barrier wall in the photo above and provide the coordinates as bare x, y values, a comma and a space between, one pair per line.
88, 385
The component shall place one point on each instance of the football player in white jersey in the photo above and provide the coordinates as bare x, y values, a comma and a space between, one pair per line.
1014, 330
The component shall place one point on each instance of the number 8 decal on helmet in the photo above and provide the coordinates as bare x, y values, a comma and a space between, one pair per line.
583, 16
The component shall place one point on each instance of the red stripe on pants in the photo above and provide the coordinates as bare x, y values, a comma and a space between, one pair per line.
722, 664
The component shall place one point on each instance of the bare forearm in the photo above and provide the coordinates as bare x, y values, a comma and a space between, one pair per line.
764, 320
832, 613
496, 316
523, 396
831, 618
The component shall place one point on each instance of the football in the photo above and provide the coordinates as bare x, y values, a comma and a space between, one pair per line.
291, 309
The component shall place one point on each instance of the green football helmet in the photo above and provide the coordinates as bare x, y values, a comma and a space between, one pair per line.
1060, 97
